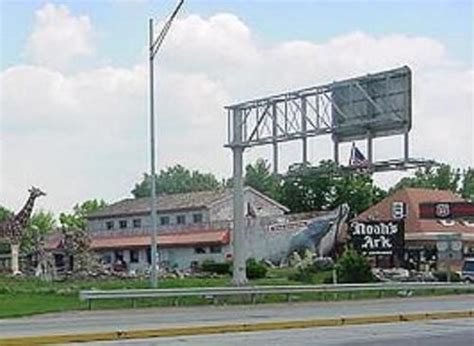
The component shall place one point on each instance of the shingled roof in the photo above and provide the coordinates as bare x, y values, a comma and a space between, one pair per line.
178, 201
172, 202
413, 197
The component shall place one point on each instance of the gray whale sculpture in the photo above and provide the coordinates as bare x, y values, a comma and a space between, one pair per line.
320, 235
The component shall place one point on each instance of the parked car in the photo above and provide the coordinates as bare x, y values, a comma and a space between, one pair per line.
467, 273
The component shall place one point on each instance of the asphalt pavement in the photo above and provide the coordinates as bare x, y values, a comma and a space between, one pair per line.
136, 319
430, 333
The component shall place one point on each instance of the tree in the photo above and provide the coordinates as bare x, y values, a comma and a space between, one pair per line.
326, 186
77, 219
39, 225
442, 177
4, 213
467, 187
176, 179
260, 177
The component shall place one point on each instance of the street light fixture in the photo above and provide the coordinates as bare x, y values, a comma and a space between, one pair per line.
154, 47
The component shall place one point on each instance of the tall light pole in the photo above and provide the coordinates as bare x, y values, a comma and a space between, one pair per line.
155, 45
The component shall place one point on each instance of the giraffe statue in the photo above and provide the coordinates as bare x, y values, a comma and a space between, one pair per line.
12, 228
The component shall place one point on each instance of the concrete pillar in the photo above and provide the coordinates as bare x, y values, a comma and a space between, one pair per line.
15, 252
239, 277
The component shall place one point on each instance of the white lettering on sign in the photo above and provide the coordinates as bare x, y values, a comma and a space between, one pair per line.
383, 228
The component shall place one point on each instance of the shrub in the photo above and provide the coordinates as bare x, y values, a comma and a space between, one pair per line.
255, 270
302, 274
442, 275
210, 266
353, 268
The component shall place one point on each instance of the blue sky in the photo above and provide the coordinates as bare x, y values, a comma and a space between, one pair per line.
122, 25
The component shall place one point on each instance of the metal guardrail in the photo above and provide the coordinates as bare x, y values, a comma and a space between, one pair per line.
254, 291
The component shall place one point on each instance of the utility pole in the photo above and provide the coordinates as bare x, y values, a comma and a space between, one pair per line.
154, 47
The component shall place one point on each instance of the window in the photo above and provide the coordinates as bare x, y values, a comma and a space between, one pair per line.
216, 249
123, 224
118, 255
181, 219
164, 220
199, 250
107, 258
109, 225
148, 255
134, 256
197, 218
137, 223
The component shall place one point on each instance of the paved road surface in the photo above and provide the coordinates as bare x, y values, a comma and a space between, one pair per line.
113, 320
433, 333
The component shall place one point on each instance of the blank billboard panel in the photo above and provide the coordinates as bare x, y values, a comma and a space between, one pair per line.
374, 105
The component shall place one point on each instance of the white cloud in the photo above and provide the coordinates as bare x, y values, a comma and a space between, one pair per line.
85, 134
59, 38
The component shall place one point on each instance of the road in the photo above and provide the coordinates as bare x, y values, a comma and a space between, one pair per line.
431, 333
114, 320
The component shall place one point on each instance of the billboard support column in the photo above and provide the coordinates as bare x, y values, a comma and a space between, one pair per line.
239, 276
405, 146
336, 150
370, 148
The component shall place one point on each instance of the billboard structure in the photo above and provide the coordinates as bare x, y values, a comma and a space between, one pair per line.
375, 105
366, 107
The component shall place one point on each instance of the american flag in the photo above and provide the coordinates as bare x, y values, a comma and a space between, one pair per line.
357, 159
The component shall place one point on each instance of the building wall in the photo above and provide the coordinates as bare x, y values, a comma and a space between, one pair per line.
174, 258
223, 210
97, 225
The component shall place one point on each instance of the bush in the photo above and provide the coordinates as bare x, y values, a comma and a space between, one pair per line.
353, 268
255, 270
442, 275
302, 275
222, 268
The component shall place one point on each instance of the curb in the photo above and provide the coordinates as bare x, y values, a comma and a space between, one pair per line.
232, 328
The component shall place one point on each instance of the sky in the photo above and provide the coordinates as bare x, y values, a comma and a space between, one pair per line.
74, 84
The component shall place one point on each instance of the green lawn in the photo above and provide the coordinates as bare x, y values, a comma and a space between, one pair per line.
27, 296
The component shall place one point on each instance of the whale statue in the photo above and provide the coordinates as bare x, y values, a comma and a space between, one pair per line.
321, 234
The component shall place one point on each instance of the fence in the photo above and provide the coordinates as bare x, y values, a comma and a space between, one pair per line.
254, 291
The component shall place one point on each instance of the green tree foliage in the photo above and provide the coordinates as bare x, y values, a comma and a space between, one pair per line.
39, 225
260, 177
353, 268
467, 187
77, 219
177, 179
442, 177
255, 270
4, 213
324, 187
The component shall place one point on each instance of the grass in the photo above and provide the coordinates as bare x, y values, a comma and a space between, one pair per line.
28, 296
